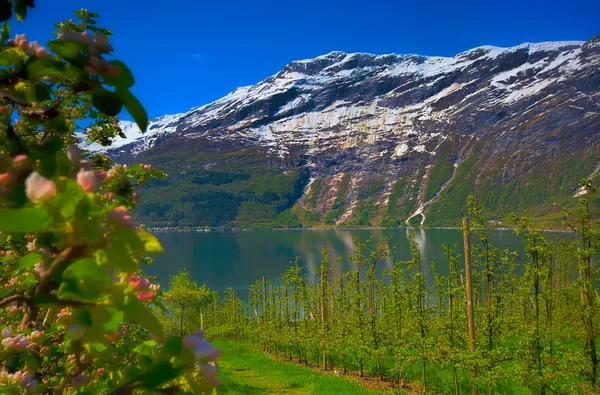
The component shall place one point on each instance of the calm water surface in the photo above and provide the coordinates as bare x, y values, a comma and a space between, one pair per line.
237, 259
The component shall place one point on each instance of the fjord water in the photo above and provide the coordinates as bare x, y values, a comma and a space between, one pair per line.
237, 259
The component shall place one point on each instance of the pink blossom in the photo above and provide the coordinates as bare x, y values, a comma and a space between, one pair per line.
21, 41
31, 246
35, 335
146, 296
140, 283
102, 42
21, 162
22, 378
204, 352
5, 178
36, 49
6, 332
98, 372
101, 176
87, 180
85, 165
112, 70
155, 287
120, 215
39, 188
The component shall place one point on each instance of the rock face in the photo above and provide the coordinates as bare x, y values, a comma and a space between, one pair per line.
380, 140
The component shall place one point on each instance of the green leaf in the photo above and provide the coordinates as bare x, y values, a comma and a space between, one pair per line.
117, 256
37, 92
107, 102
5, 10
160, 374
5, 29
70, 290
95, 347
21, 10
173, 347
64, 49
24, 220
135, 108
138, 242
68, 196
125, 78
28, 261
84, 281
51, 68
136, 311
109, 320
87, 270
32, 361
150, 244
9, 57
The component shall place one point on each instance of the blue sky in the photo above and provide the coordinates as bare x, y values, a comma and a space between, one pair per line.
186, 53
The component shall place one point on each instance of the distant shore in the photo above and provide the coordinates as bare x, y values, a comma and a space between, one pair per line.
504, 229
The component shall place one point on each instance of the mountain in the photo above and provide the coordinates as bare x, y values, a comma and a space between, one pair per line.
361, 139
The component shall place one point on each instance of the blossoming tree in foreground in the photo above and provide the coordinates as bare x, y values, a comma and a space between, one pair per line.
73, 303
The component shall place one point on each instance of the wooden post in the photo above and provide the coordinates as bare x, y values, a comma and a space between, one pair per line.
470, 317
324, 309
264, 281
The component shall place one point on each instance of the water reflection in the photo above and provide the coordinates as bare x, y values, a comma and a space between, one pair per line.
238, 259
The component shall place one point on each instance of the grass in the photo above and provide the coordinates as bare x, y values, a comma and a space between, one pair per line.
247, 371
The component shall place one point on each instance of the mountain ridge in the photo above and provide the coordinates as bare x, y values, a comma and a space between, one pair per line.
387, 136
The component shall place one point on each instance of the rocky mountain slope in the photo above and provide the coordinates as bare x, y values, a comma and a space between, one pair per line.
360, 139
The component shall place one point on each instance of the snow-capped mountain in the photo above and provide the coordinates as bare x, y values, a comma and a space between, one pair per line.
509, 114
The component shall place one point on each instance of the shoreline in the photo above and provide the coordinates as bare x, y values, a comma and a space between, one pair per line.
324, 228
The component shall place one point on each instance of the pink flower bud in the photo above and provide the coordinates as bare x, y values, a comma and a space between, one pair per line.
87, 180
101, 176
6, 332
21, 162
120, 215
102, 42
38, 188
146, 296
140, 283
190, 342
5, 178
36, 49
85, 165
21, 42
112, 70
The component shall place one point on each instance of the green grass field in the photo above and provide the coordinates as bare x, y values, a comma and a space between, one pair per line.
247, 371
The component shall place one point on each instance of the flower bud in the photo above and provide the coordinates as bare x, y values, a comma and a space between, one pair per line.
21, 162
87, 180
38, 188
21, 42
6, 332
120, 215
5, 178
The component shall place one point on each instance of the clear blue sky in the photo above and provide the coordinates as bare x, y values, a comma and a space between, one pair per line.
186, 53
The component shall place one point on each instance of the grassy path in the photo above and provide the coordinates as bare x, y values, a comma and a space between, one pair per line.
246, 371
